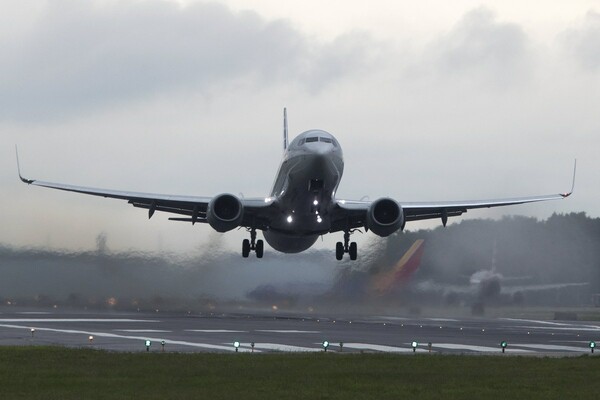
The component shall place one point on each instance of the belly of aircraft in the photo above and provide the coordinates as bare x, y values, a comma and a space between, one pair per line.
289, 243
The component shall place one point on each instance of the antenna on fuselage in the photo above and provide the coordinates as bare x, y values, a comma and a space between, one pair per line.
285, 129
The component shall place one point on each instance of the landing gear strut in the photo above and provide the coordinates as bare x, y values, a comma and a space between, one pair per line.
258, 246
346, 247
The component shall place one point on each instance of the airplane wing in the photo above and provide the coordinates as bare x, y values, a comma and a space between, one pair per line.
540, 287
351, 214
192, 207
354, 213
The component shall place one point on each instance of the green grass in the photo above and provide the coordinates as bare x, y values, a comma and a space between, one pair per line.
61, 373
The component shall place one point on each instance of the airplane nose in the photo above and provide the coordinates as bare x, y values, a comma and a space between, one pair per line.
323, 150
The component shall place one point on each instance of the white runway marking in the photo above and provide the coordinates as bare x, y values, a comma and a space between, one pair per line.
442, 319
454, 346
74, 320
141, 330
34, 312
557, 324
113, 335
393, 318
281, 347
587, 328
536, 321
552, 347
285, 331
377, 347
214, 331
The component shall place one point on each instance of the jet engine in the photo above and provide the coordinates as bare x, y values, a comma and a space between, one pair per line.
385, 217
225, 212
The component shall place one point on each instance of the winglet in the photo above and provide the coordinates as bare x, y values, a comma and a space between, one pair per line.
28, 181
564, 195
285, 129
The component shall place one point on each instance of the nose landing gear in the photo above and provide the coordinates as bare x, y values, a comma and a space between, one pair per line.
346, 247
257, 246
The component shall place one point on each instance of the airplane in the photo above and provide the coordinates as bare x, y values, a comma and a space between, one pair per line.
488, 283
302, 204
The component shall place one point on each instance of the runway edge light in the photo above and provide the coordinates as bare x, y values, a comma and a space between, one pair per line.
503, 345
148, 344
414, 346
236, 344
592, 346
325, 345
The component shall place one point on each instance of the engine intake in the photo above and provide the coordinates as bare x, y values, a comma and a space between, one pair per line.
225, 212
385, 217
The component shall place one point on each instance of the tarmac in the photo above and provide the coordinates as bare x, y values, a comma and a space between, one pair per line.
263, 332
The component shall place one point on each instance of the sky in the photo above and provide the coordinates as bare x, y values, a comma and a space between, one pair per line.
429, 100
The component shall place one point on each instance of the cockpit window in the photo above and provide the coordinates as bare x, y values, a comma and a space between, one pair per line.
312, 139
324, 139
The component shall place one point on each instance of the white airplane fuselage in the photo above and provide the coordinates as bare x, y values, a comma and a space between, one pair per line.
304, 190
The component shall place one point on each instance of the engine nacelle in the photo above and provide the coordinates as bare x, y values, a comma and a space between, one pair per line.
224, 212
385, 216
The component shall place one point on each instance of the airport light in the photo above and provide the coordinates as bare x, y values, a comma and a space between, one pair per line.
32, 331
341, 346
252, 346
414, 346
429, 346
325, 345
148, 344
503, 345
90, 339
162, 345
236, 344
592, 346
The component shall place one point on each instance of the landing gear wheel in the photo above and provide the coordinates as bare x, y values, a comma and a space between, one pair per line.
245, 248
353, 250
339, 250
260, 247
346, 246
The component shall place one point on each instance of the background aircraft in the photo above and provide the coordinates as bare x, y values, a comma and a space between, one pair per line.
302, 204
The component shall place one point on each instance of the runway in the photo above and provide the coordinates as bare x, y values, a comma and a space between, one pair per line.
216, 332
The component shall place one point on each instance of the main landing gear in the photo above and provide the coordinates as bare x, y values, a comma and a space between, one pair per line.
257, 245
346, 247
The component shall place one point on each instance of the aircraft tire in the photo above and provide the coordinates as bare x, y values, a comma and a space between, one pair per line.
245, 248
353, 250
339, 251
260, 248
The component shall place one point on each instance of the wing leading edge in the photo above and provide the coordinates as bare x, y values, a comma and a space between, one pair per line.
194, 208
352, 214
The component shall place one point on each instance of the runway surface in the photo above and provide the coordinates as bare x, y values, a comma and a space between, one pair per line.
187, 332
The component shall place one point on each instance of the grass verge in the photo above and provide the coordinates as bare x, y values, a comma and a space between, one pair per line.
62, 373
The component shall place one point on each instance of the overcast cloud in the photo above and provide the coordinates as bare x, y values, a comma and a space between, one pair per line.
80, 56
159, 97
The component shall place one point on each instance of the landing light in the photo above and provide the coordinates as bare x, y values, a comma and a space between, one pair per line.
289, 219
